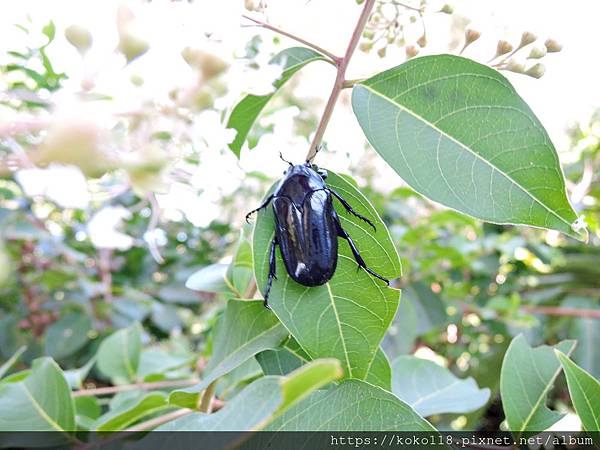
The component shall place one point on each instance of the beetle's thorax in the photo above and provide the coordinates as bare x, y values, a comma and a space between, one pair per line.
298, 181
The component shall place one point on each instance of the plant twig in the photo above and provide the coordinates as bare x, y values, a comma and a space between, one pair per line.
339, 79
207, 396
153, 423
132, 387
321, 50
561, 311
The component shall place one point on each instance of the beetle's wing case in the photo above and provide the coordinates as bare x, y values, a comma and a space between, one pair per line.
307, 237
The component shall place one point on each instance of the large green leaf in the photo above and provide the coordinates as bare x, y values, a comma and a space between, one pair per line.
432, 389
347, 317
585, 393
119, 355
352, 406
457, 132
247, 110
526, 377
245, 329
262, 400
41, 402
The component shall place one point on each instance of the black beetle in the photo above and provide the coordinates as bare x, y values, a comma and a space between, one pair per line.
307, 227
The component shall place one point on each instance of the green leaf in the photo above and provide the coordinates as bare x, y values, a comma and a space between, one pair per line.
248, 109
119, 355
352, 406
432, 389
400, 337
240, 271
279, 361
586, 332
429, 307
585, 393
211, 278
76, 377
68, 334
260, 401
457, 132
245, 329
158, 361
131, 412
87, 410
347, 317
41, 402
11, 361
380, 372
526, 377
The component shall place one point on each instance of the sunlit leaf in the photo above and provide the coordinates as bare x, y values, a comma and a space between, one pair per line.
347, 317
457, 132
247, 110
432, 389
527, 376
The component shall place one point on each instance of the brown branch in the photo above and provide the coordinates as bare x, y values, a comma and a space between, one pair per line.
153, 423
265, 25
560, 311
132, 387
339, 79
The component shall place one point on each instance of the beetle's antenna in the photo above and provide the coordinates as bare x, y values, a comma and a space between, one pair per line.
284, 160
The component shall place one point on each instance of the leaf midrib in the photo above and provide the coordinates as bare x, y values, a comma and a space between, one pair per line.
460, 144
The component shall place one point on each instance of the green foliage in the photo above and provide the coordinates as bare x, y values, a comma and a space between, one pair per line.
119, 355
40, 402
328, 320
248, 109
585, 392
425, 119
176, 320
432, 389
527, 377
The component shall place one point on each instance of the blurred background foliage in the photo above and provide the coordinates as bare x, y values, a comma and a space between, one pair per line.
108, 206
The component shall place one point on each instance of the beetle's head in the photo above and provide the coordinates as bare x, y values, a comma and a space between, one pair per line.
320, 171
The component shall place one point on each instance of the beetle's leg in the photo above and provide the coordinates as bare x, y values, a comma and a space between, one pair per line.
359, 260
350, 209
263, 205
272, 272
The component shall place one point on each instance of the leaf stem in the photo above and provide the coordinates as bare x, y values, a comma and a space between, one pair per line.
207, 396
265, 25
132, 387
339, 79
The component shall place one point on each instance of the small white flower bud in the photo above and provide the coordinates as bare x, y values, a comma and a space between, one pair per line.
552, 46
503, 48
515, 66
411, 51
422, 41
527, 38
536, 71
537, 53
471, 36
447, 9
